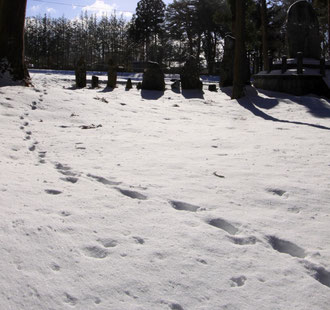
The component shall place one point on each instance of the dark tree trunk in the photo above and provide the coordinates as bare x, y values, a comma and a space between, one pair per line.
239, 63
329, 28
12, 19
264, 25
232, 5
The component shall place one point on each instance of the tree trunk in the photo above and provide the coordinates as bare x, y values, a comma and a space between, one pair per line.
232, 5
12, 19
329, 28
264, 25
238, 84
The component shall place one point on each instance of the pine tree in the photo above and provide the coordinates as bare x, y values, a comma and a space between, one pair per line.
149, 19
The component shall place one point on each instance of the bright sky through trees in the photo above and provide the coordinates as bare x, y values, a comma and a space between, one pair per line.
73, 8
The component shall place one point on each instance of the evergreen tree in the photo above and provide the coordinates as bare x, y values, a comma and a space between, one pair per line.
148, 23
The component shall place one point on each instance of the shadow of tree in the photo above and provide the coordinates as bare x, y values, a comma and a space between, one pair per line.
318, 107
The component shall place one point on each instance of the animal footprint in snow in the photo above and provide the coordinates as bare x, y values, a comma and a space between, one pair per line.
276, 191
238, 281
72, 180
319, 273
108, 242
102, 180
286, 247
95, 252
243, 240
176, 307
224, 225
52, 192
70, 299
138, 240
183, 206
64, 169
132, 194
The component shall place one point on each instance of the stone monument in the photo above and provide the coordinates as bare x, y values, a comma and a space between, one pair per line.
303, 31
153, 77
304, 47
190, 75
112, 74
128, 84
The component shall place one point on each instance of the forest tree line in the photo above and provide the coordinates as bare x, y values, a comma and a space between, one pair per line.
166, 34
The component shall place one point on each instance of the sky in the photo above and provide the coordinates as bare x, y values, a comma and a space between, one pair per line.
73, 8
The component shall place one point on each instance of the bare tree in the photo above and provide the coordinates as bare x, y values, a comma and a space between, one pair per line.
12, 18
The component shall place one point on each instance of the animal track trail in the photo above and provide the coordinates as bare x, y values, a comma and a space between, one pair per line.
286, 247
224, 225
132, 194
183, 206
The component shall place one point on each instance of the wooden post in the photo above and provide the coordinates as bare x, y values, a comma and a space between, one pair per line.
284, 64
299, 63
81, 73
95, 81
270, 64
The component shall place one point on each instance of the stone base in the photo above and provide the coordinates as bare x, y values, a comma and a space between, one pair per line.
294, 84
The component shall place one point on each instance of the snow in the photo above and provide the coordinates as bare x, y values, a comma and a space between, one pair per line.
166, 201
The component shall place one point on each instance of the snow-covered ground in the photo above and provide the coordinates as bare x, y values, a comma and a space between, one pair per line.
130, 200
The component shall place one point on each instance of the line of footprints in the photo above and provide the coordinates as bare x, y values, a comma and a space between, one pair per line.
319, 273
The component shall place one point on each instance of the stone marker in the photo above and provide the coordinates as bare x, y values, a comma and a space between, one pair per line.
175, 85
153, 77
322, 66
95, 81
129, 84
213, 87
81, 73
303, 30
190, 75
284, 66
139, 85
112, 74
